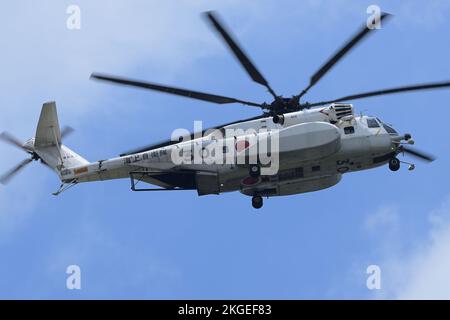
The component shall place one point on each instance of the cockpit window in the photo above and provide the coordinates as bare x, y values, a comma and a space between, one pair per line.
389, 129
372, 123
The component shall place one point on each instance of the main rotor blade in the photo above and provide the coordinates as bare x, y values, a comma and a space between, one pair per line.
245, 61
5, 178
417, 87
173, 90
419, 154
350, 44
10, 139
66, 131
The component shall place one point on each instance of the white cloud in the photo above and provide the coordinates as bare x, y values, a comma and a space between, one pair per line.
423, 272
385, 217
428, 269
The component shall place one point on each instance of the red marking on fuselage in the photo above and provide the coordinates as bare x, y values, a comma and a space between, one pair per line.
242, 145
249, 181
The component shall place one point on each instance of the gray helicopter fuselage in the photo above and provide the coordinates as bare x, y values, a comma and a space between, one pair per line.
339, 143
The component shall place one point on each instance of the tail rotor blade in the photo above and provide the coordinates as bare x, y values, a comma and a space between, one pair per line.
5, 178
66, 131
10, 139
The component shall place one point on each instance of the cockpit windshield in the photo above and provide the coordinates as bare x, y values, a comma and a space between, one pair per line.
388, 128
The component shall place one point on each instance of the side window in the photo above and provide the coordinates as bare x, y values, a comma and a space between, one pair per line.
349, 130
372, 123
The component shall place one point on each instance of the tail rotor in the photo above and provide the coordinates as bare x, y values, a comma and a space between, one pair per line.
28, 147
13, 141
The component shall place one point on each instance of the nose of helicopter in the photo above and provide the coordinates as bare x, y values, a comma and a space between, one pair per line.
397, 141
397, 138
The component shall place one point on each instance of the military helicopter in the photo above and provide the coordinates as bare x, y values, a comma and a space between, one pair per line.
316, 143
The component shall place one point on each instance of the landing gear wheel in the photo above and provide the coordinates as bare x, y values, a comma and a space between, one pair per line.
257, 202
394, 164
254, 171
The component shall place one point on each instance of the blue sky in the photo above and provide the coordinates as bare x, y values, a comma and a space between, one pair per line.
177, 245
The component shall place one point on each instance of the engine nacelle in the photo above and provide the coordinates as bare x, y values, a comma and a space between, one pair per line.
331, 114
338, 111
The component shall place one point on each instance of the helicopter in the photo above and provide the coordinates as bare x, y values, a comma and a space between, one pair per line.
293, 147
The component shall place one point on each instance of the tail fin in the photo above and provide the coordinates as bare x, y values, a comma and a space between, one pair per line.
47, 142
48, 133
